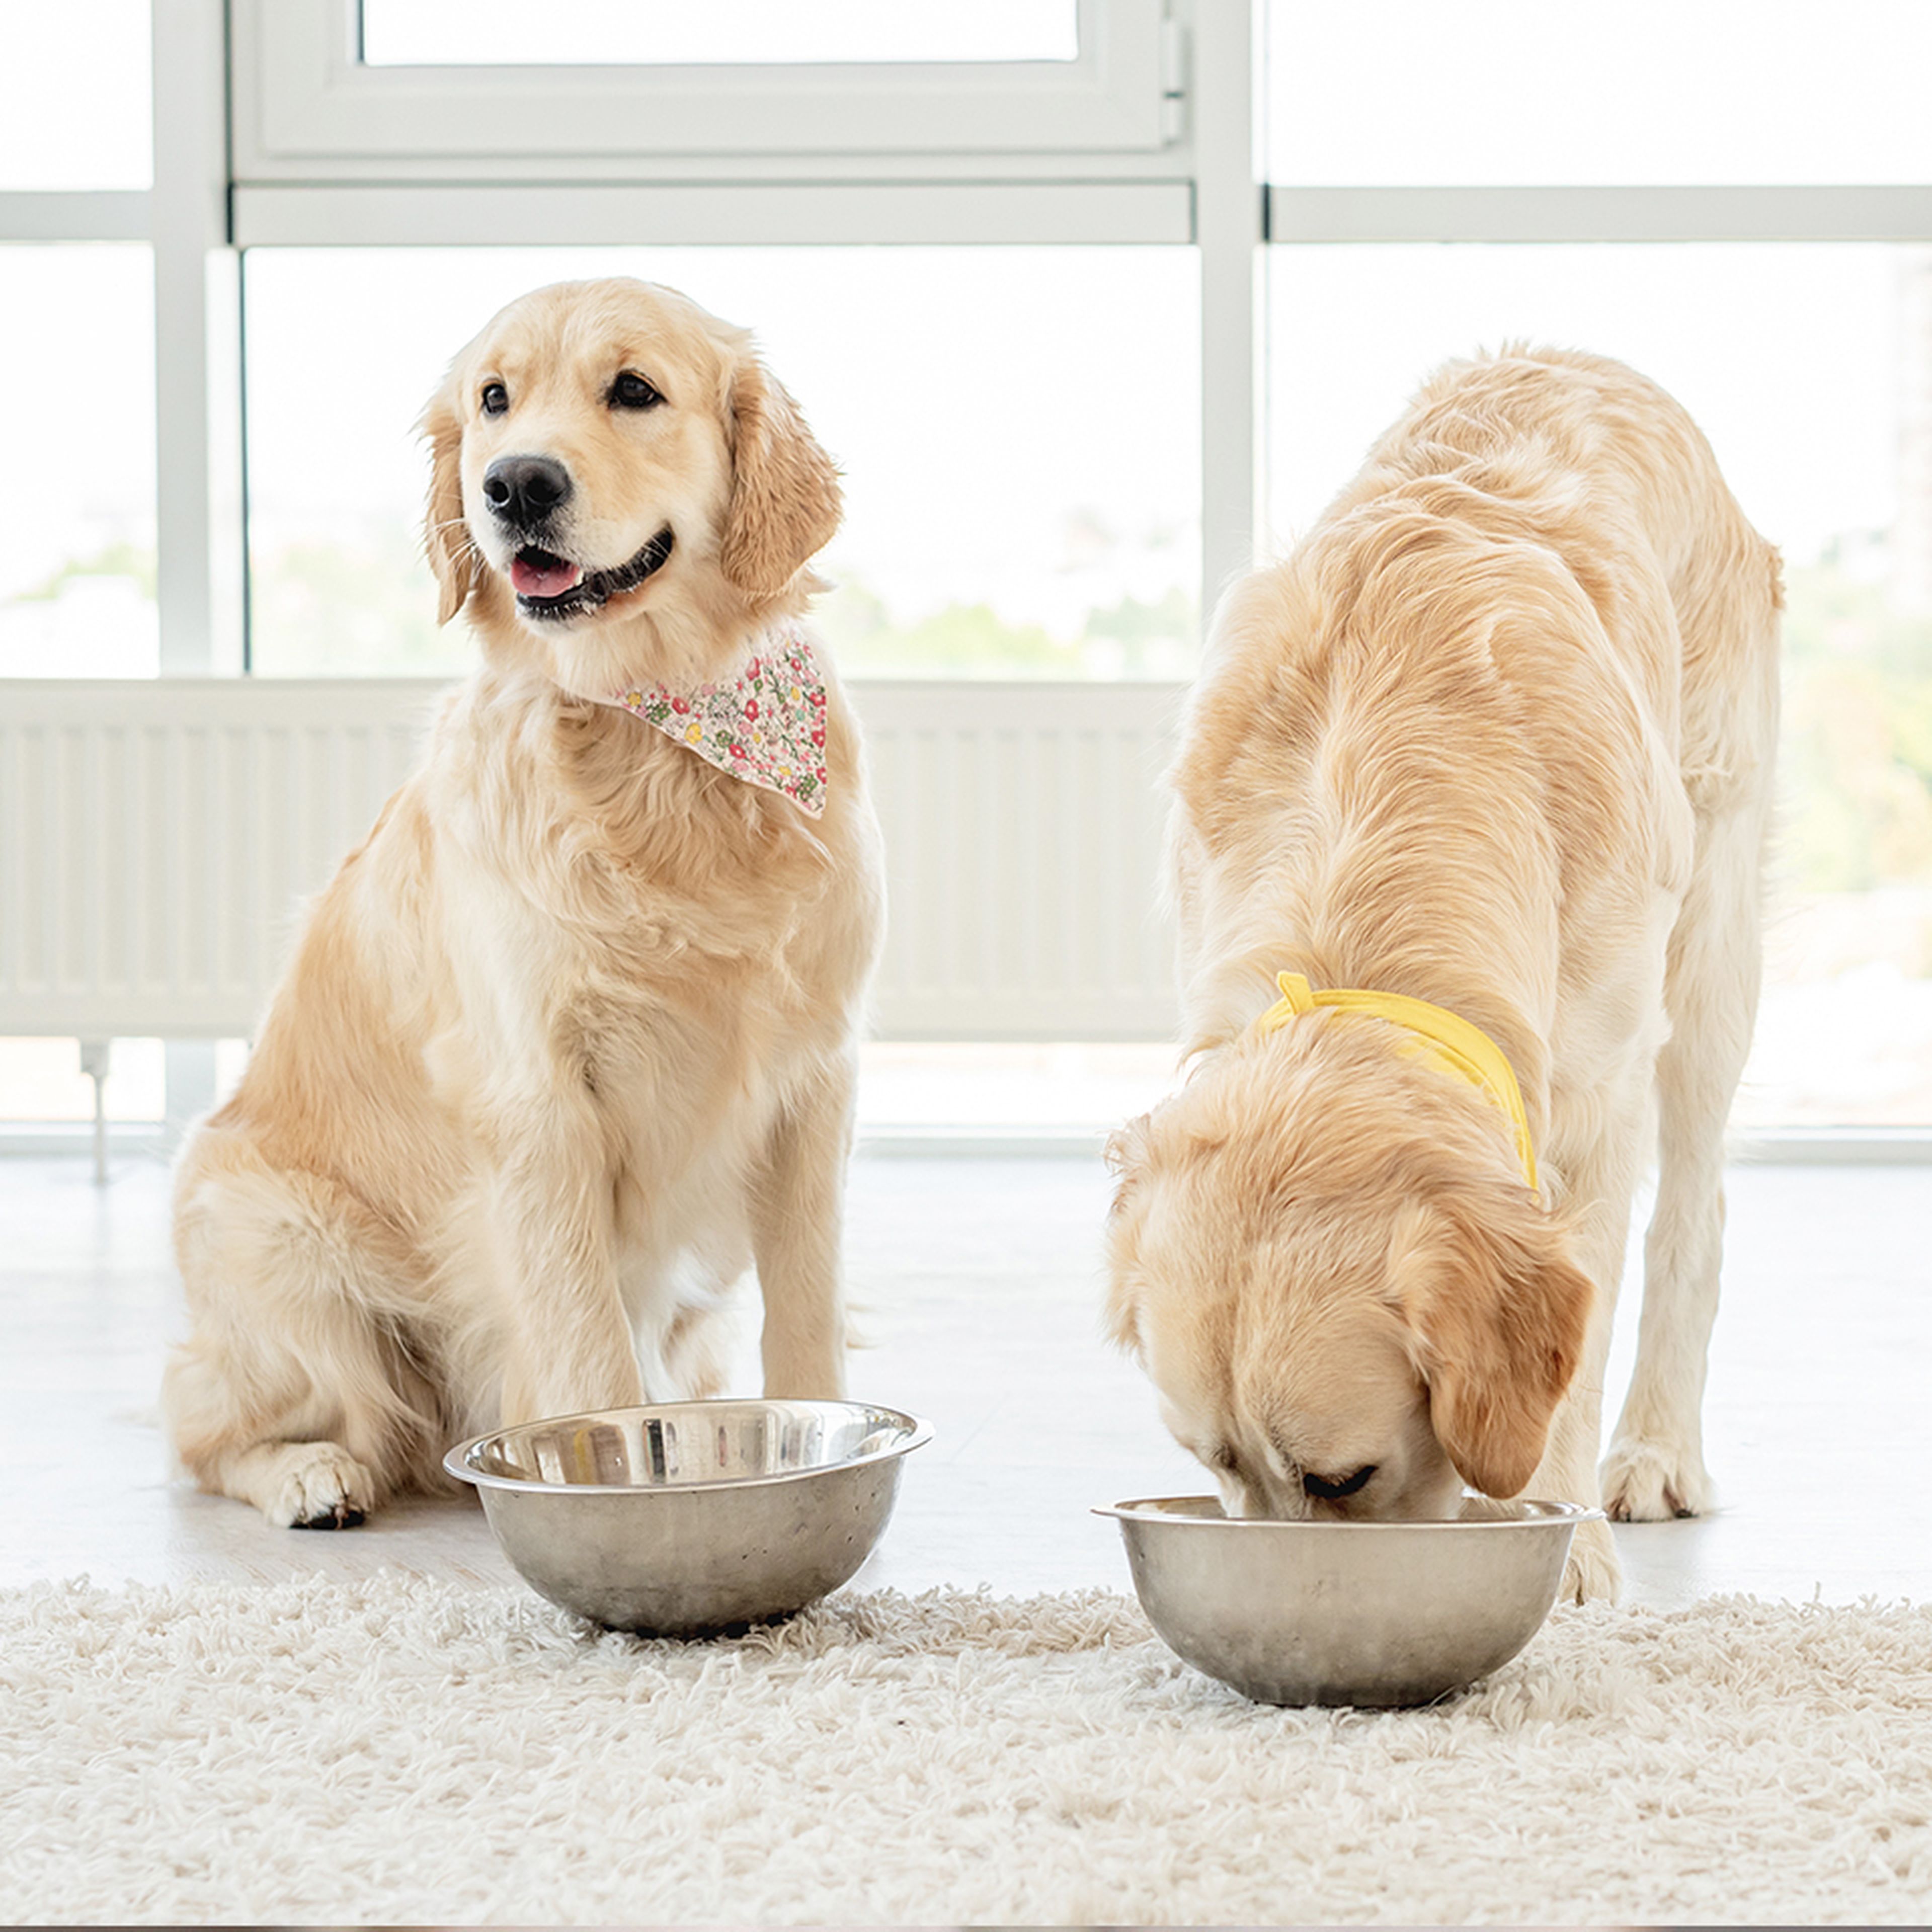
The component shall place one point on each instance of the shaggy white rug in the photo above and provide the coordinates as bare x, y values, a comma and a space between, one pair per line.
400, 1751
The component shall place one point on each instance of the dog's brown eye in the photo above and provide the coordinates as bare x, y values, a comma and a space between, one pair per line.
1222, 1457
496, 399
631, 391
1332, 1489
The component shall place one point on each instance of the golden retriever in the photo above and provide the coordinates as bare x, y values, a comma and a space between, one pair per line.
1498, 737
571, 1039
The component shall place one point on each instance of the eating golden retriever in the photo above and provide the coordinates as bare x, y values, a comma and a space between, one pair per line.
1467, 840
571, 1039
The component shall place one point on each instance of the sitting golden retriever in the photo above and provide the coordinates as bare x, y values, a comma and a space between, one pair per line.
1467, 844
572, 1037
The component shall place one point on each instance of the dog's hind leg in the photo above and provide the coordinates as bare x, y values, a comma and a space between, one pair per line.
1655, 1467
294, 1391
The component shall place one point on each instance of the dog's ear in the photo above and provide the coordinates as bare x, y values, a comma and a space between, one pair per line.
785, 500
445, 534
1500, 1314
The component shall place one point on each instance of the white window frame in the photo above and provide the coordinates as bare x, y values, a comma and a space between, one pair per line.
328, 152
1689, 213
307, 107
184, 219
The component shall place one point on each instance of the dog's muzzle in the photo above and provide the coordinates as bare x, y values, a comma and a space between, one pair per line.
549, 587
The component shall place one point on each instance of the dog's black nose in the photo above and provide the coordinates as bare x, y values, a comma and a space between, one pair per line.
524, 490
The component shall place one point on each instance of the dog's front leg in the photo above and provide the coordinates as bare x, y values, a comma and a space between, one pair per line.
569, 1344
1604, 1182
797, 1216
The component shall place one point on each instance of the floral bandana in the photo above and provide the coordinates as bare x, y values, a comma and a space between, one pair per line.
767, 726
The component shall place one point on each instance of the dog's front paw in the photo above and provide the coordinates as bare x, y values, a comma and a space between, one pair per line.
320, 1485
1651, 1482
1591, 1570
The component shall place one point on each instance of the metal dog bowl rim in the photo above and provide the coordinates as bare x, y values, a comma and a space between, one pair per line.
1147, 1509
918, 1432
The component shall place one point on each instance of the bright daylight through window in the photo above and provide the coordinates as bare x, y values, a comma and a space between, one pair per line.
1001, 340
505, 33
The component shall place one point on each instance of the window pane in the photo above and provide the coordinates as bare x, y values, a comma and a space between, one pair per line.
1810, 370
77, 502
1018, 427
1413, 92
75, 110
603, 33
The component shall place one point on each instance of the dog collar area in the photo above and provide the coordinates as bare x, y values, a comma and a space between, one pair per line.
1443, 1039
764, 724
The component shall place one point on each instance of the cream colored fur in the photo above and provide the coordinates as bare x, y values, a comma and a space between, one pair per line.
1497, 735
571, 1039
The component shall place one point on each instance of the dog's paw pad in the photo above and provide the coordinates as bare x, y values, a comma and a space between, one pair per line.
1644, 1482
322, 1487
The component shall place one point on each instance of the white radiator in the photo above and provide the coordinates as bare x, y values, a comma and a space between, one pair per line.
156, 839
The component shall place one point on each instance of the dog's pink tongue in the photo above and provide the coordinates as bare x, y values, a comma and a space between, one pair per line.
550, 577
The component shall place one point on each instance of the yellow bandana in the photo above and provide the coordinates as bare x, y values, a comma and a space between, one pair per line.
1443, 1039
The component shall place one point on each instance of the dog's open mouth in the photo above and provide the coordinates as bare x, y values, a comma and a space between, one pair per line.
550, 586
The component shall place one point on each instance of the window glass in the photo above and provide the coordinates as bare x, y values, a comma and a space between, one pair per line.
1810, 369
1018, 429
491, 33
77, 495
1508, 92
75, 111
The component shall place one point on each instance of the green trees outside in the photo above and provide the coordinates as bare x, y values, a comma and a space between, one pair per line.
1129, 638
1856, 778
124, 560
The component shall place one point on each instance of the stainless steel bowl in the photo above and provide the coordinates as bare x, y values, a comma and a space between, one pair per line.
691, 1517
1376, 1614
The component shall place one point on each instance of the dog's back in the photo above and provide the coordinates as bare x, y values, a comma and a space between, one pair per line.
1626, 452
1536, 612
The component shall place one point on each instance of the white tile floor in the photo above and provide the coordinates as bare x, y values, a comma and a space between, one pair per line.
979, 1279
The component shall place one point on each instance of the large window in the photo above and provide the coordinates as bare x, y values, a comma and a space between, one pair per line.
1078, 350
